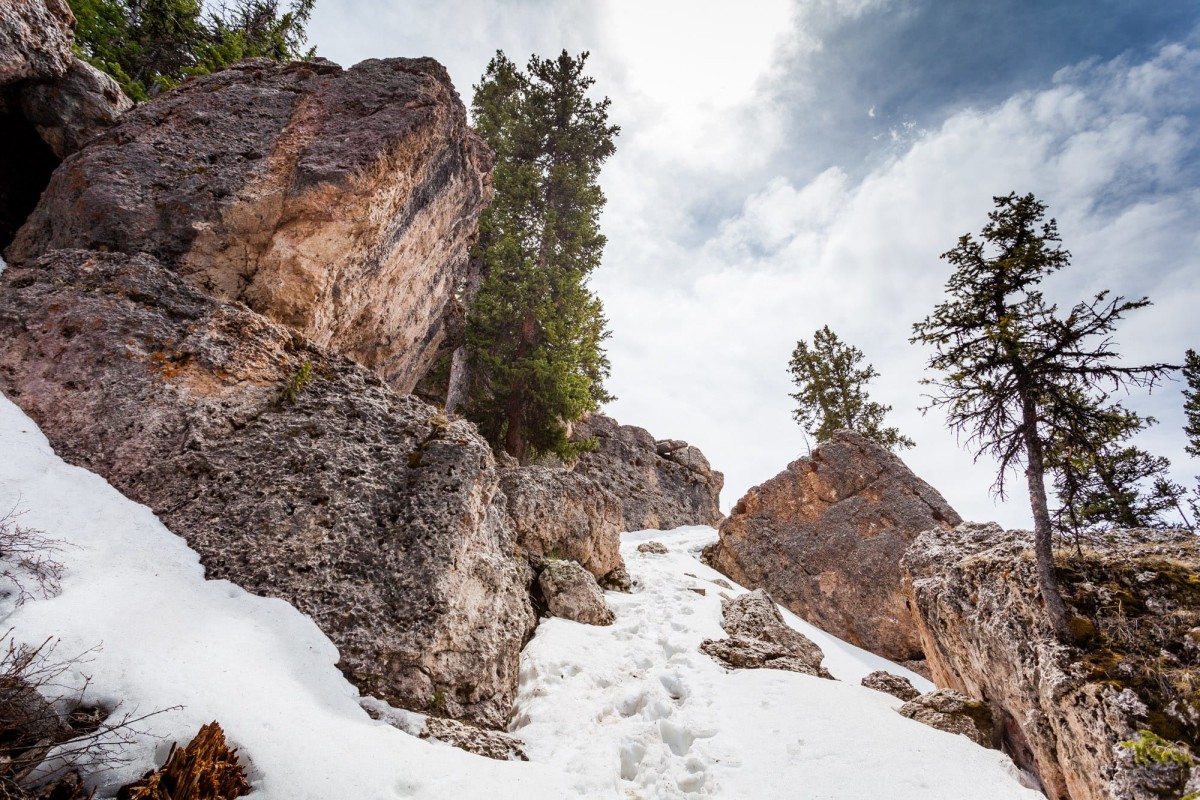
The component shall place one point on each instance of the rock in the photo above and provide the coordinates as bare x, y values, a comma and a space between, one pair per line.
894, 685
1063, 710
760, 639
560, 514
489, 744
571, 592
949, 711
74, 109
35, 40
341, 203
660, 487
293, 472
652, 548
825, 537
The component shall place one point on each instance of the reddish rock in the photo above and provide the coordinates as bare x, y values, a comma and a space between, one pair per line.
825, 538
35, 40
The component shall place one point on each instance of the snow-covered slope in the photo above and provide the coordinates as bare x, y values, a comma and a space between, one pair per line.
629, 711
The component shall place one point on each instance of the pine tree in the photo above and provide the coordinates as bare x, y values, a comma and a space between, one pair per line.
1015, 376
535, 331
1191, 410
832, 392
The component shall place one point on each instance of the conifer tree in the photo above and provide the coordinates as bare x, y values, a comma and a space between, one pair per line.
1015, 376
1191, 410
832, 392
535, 330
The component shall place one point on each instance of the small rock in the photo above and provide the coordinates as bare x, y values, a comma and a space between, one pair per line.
697, 590
652, 548
490, 744
571, 592
947, 710
760, 639
617, 580
724, 584
894, 685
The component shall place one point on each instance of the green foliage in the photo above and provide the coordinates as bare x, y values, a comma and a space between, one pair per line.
1016, 376
296, 384
832, 392
535, 330
149, 46
1102, 481
1149, 749
1191, 410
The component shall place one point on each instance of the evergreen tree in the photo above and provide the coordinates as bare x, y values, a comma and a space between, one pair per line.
1015, 376
535, 331
1191, 410
151, 45
832, 392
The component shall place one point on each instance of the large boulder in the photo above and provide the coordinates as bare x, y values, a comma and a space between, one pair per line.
293, 472
1111, 716
73, 109
825, 537
760, 639
555, 513
341, 203
35, 40
571, 592
662, 484
949, 711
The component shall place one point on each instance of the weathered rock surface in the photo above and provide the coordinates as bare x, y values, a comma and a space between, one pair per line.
35, 40
760, 639
825, 537
292, 472
949, 711
662, 484
1063, 711
894, 685
652, 548
489, 744
571, 592
74, 109
341, 203
560, 514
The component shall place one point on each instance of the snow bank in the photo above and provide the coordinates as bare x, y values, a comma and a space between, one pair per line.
636, 710
256, 665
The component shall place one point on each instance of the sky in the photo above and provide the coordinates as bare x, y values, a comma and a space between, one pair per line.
784, 165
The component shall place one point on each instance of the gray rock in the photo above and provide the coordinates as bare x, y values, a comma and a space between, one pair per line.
894, 685
35, 40
341, 203
760, 639
1062, 710
571, 592
293, 473
652, 548
949, 711
74, 109
560, 514
825, 537
490, 744
662, 485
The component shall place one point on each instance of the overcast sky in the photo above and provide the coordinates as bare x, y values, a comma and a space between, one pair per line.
786, 165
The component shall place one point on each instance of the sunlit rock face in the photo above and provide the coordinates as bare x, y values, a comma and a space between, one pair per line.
1064, 710
825, 537
293, 472
341, 203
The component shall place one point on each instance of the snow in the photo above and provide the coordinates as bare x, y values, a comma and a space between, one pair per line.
633, 710
636, 710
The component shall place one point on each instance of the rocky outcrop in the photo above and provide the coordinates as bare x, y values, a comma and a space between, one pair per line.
662, 484
760, 639
341, 203
35, 40
825, 537
293, 473
70, 111
894, 685
489, 744
555, 513
949, 711
1077, 715
571, 592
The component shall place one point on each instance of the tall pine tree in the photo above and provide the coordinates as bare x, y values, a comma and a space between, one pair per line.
535, 330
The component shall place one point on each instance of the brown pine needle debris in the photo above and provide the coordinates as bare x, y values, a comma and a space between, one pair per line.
207, 769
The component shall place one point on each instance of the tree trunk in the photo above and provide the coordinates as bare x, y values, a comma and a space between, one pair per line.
514, 442
460, 379
1056, 609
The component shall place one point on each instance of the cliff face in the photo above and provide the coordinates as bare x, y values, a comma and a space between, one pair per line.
825, 537
293, 472
338, 202
1064, 711
662, 484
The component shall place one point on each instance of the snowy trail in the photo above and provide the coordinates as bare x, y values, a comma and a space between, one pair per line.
637, 711
258, 666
